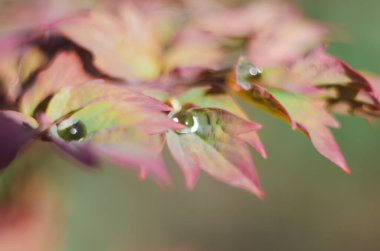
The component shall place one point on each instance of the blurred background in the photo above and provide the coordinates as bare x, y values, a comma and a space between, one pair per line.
310, 204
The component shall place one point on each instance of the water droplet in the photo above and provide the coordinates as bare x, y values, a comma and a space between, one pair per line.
248, 72
188, 120
71, 129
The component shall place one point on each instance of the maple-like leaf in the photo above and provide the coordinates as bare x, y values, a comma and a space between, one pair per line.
164, 72
123, 43
99, 120
211, 142
112, 122
305, 112
200, 97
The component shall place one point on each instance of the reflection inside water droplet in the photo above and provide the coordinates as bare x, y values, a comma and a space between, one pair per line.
248, 72
188, 120
71, 129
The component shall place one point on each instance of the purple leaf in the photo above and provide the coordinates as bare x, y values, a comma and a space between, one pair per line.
16, 130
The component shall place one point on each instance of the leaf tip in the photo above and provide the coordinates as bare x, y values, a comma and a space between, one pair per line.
260, 194
264, 154
143, 174
346, 169
256, 189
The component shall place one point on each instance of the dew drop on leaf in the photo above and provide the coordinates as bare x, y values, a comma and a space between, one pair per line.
248, 72
187, 119
71, 129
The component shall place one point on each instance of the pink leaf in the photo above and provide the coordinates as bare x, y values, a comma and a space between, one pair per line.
307, 113
53, 79
214, 147
16, 130
124, 44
